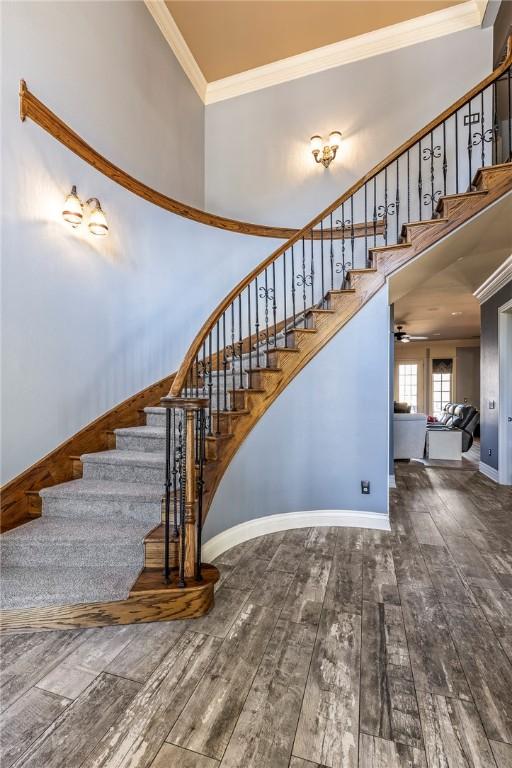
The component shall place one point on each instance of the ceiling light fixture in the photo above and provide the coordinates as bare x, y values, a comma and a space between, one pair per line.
325, 153
73, 213
455, 314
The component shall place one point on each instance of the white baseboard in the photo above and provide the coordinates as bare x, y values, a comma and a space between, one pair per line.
338, 518
392, 481
488, 471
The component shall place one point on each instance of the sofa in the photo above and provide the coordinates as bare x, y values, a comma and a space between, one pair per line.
460, 416
409, 433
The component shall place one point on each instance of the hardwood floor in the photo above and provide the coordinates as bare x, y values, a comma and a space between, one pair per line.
329, 647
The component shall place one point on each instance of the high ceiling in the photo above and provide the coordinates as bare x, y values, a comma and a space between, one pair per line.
231, 36
434, 296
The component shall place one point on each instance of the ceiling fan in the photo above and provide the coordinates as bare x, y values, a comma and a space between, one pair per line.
404, 337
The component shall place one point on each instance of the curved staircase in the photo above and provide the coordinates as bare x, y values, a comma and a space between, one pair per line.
79, 564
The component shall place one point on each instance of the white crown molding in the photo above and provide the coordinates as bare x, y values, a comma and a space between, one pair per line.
406, 33
176, 41
495, 282
391, 38
251, 529
488, 471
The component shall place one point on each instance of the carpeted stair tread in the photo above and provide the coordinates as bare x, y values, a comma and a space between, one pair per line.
115, 456
157, 432
104, 489
31, 587
64, 530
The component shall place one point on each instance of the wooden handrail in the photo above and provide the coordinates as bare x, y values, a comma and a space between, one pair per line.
181, 376
33, 108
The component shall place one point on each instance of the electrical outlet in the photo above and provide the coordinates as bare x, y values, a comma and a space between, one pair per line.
365, 487
490, 451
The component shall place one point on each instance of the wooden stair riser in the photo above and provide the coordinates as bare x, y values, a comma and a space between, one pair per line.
336, 299
296, 337
277, 358
316, 319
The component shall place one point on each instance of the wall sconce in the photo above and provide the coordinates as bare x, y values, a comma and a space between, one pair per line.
73, 213
325, 153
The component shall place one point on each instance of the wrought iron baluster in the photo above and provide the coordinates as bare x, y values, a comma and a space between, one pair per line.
257, 323
457, 152
445, 161
352, 236
322, 260
420, 181
365, 225
509, 116
374, 211
408, 187
432, 173
174, 472
240, 340
293, 289
233, 347
495, 125
331, 255
233, 407
200, 416
312, 272
224, 363
386, 205
470, 149
397, 203
284, 296
210, 385
264, 293
303, 279
183, 483
274, 302
167, 507
217, 371
482, 129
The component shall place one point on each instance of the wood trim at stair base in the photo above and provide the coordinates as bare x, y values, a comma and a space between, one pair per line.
159, 603
321, 518
20, 500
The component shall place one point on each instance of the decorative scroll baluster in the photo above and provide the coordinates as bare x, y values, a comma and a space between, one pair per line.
312, 271
293, 287
420, 181
274, 302
374, 211
457, 152
483, 138
470, 149
217, 371
397, 204
284, 297
264, 294
210, 385
445, 162
301, 279
182, 474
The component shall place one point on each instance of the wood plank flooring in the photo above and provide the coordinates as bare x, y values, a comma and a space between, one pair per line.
337, 648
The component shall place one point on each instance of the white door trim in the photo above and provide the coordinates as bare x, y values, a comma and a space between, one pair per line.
504, 392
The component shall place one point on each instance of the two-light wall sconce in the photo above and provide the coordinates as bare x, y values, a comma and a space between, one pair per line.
325, 153
73, 213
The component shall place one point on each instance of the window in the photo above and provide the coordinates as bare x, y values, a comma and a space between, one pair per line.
441, 392
408, 385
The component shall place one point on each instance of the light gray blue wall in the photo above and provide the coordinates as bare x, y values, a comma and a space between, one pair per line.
258, 162
86, 322
324, 434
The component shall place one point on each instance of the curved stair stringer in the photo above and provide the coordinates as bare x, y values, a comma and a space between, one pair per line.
303, 344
